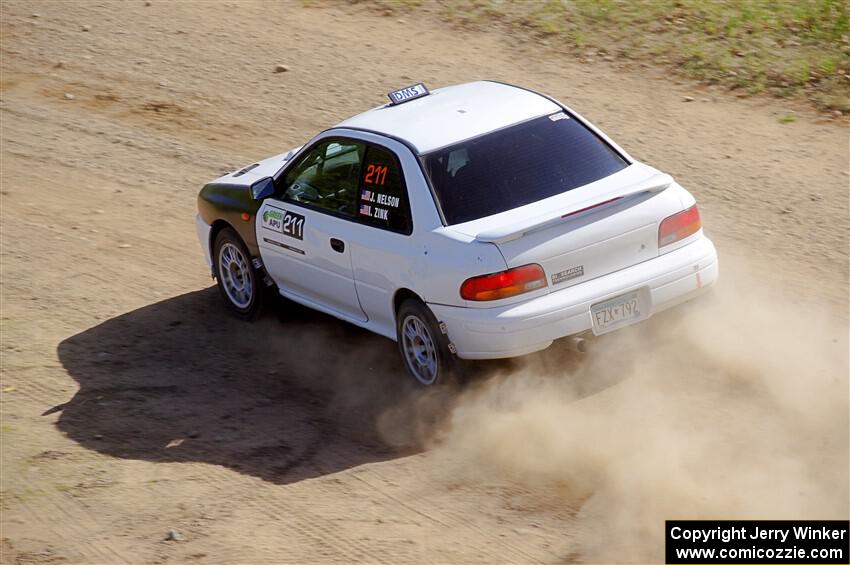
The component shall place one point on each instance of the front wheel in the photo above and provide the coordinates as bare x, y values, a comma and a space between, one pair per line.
424, 349
238, 281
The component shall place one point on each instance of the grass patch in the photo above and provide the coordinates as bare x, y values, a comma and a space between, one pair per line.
786, 119
385, 5
788, 48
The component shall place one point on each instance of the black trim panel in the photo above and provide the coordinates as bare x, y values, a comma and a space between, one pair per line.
285, 246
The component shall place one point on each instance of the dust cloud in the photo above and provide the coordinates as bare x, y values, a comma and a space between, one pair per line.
734, 406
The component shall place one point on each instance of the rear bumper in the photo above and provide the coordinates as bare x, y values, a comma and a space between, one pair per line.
203, 230
517, 329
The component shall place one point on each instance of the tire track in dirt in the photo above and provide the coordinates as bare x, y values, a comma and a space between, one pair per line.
73, 528
455, 518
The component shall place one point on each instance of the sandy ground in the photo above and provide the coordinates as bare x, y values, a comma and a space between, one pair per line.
132, 404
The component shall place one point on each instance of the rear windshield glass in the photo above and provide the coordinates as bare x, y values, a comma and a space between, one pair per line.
518, 165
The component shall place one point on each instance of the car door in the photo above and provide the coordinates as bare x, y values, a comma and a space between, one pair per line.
381, 247
302, 231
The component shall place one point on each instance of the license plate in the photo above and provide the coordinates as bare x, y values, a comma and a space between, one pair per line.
616, 312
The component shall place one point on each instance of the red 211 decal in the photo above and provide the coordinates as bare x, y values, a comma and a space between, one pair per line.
376, 174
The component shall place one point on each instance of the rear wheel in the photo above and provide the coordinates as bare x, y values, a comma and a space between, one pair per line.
238, 281
424, 348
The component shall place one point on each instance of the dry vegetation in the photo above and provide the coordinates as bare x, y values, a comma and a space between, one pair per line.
787, 48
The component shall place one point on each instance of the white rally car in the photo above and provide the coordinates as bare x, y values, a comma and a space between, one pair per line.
481, 220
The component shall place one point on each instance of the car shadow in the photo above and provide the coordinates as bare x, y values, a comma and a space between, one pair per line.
280, 399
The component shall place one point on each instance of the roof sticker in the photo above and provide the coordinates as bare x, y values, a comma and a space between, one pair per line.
407, 93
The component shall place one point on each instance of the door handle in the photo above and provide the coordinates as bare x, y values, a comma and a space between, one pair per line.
337, 245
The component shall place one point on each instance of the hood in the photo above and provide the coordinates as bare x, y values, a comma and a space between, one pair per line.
251, 173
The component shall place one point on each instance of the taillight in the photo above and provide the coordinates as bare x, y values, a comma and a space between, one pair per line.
502, 285
679, 226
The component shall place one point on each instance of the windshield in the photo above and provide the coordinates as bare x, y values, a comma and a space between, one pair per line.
518, 165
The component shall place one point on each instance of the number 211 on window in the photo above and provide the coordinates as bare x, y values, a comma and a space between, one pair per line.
376, 174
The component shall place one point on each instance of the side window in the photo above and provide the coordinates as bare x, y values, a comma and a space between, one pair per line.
383, 195
327, 177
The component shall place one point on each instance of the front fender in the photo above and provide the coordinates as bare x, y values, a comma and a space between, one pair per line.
232, 204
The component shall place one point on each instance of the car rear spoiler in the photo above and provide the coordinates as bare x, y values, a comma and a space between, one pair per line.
503, 234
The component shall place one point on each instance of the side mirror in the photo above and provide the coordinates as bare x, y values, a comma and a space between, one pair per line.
263, 188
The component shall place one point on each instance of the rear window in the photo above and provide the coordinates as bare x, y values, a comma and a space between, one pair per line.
518, 165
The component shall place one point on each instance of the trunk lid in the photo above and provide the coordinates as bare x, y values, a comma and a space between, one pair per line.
586, 232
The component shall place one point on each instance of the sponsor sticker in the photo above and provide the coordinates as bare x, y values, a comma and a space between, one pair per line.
273, 220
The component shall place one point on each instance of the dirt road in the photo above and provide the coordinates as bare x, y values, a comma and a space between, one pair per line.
133, 405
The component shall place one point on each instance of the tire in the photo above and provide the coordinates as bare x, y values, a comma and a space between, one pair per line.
424, 348
239, 283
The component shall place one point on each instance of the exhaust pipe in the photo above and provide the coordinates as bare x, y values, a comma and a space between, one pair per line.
576, 344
